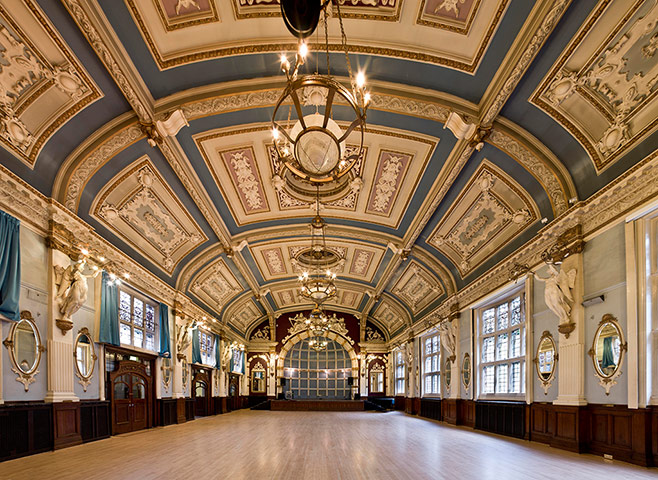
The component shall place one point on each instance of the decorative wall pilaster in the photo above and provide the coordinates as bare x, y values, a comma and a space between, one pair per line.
455, 365
177, 390
571, 366
59, 345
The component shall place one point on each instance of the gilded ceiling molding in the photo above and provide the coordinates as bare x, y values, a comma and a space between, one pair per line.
29, 75
24, 202
184, 20
535, 166
437, 268
602, 94
557, 8
94, 38
432, 19
417, 287
192, 266
388, 10
631, 189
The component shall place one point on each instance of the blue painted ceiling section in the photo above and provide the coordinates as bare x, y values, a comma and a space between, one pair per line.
467, 86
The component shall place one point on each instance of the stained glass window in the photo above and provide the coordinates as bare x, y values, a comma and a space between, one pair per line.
137, 320
502, 348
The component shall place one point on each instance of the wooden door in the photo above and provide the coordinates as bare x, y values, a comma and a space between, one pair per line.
200, 398
130, 398
233, 392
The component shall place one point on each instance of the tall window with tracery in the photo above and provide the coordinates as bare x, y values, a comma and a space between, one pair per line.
399, 373
502, 348
432, 365
137, 320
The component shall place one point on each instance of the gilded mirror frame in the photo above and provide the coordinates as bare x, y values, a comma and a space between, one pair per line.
164, 369
466, 361
184, 372
608, 381
84, 380
546, 382
258, 368
26, 378
447, 375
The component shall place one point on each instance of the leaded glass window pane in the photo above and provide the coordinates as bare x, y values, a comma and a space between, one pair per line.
149, 317
139, 338
488, 379
501, 346
502, 313
488, 350
501, 378
138, 311
124, 333
515, 343
516, 311
488, 321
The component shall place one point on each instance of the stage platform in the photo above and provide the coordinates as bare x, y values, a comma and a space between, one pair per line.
318, 405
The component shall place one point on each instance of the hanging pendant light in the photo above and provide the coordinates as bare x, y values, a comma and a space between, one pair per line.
312, 145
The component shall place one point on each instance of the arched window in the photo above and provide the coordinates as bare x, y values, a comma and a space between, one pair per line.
323, 374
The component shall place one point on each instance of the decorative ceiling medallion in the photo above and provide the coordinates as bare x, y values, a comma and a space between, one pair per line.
177, 14
388, 10
391, 170
215, 285
491, 210
139, 207
294, 192
42, 84
454, 15
417, 287
391, 315
242, 314
606, 93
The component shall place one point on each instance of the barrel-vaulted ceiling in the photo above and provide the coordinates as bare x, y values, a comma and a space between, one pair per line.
563, 93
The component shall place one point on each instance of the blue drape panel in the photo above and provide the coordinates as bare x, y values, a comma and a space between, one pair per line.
218, 362
196, 347
608, 359
109, 324
10, 266
244, 361
165, 341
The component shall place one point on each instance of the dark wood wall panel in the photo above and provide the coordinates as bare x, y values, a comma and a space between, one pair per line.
504, 418
466, 413
189, 409
449, 410
25, 429
168, 413
95, 420
430, 408
66, 424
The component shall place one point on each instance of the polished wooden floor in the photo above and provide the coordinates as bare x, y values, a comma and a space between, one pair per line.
257, 445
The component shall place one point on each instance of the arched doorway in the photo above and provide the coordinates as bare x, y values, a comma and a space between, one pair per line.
201, 393
318, 375
130, 397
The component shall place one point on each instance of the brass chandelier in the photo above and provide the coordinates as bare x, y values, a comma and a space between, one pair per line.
312, 145
318, 326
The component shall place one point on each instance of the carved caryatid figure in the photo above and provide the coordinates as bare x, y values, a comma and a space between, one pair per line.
448, 338
557, 292
71, 289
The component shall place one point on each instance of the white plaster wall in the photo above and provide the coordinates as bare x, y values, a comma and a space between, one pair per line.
605, 274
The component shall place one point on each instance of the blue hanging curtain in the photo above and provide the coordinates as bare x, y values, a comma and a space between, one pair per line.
608, 359
218, 362
244, 361
165, 341
109, 324
10, 266
196, 347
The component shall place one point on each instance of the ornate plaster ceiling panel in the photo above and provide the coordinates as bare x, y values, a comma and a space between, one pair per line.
391, 315
184, 13
138, 206
215, 285
243, 313
604, 87
254, 195
363, 9
277, 260
42, 84
406, 35
455, 15
417, 287
348, 296
490, 211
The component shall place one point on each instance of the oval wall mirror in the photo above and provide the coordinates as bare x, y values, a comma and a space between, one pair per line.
183, 363
607, 351
448, 372
85, 358
546, 359
25, 348
466, 370
166, 371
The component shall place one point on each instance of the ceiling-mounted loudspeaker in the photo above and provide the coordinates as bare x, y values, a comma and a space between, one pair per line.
301, 16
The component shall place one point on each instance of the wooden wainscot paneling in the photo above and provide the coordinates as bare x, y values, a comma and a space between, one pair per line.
400, 403
466, 413
449, 410
430, 408
542, 422
66, 426
25, 429
570, 428
168, 411
654, 435
95, 420
412, 405
504, 418
621, 432
189, 409
180, 410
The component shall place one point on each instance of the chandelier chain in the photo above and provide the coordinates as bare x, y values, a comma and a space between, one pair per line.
343, 39
326, 38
